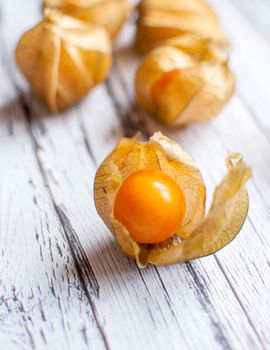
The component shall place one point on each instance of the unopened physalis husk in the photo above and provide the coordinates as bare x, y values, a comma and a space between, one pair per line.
184, 81
111, 14
63, 58
160, 20
198, 235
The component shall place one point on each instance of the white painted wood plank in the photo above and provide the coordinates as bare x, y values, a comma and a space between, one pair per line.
42, 302
258, 15
251, 61
250, 58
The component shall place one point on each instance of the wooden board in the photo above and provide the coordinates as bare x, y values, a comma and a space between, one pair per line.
64, 284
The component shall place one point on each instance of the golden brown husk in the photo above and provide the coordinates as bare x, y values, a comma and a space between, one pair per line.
111, 14
63, 59
199, 90
198, 235
161, 20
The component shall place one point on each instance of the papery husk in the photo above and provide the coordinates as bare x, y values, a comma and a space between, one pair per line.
199, 48
111, 14
201, 86
160, 20
63, 59
224, 221
198, 235
159, 153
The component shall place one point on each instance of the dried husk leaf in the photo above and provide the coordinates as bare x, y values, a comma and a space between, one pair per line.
63, 59
160, 20
198, 236
159, 153
225, 219
180, 88
111, 14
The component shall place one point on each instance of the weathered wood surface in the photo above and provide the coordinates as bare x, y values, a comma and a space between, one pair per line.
64, 284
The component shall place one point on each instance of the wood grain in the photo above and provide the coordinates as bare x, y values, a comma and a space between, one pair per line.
64, 282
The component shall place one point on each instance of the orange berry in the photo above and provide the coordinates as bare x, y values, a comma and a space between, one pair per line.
151, 206
161, 84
